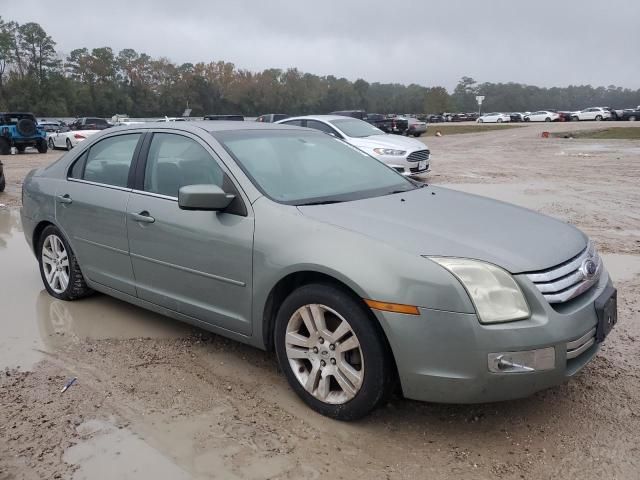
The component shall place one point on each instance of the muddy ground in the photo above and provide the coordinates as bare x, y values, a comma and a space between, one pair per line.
157, 399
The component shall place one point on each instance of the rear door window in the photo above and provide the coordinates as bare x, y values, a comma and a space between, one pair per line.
109, 160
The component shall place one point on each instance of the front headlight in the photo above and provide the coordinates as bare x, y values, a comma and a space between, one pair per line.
495, 294
389, 151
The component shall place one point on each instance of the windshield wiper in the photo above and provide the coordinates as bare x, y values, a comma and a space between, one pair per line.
320, 202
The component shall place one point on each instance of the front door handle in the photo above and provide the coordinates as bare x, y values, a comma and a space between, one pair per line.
65, 199
143, 217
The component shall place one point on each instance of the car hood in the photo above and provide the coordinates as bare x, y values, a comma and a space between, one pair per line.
442, 222
388, 141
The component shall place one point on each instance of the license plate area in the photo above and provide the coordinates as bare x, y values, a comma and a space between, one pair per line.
422, 165
607, 311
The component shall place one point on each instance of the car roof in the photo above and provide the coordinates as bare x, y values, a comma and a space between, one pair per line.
324, 118
210, 126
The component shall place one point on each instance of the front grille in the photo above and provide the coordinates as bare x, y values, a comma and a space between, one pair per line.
418, 156
569, 279
579, 346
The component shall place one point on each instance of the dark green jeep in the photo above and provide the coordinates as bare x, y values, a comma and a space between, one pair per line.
20, 130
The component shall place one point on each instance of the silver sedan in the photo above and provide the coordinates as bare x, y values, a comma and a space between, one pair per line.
290, 240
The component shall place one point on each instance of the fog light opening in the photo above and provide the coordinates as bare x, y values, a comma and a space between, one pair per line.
526, 361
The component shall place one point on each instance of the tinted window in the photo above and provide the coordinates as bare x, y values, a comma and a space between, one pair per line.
109, 160
297, 123
353, 127
298, 167
323, 127
175, 161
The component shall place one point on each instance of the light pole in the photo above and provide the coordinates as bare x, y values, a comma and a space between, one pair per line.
479, 99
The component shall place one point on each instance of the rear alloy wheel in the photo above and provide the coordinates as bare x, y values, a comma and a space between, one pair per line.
499, 120
59, 267
52, 145
69, 145
332, 354
21, 148
598, 118
547, 119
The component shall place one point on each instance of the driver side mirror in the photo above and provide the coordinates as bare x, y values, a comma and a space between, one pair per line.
204, 197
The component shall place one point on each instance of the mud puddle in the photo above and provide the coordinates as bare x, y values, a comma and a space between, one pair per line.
33, 322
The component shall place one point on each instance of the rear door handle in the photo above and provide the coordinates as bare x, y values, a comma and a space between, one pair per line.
143, 217
65, 199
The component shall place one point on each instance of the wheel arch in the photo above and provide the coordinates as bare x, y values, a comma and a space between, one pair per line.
290, 282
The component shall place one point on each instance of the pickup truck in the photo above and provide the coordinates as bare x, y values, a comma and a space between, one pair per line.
398, 126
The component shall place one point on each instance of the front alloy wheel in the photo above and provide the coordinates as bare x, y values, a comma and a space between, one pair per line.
333, 351
324, 354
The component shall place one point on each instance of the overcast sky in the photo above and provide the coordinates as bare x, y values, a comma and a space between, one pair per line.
538, 42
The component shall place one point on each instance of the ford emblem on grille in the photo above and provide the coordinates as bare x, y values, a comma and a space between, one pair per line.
588, 268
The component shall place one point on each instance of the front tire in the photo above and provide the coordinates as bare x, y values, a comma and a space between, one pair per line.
547, 119
332, 354
52, 145
575, 119
598, 118
59, 267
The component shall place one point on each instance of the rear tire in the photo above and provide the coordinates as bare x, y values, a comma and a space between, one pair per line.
5, 148
42, 146
3, 183
52, 145
21, 148
69, 144
547, 119
575, 119
417, 135
598, 118
499, 120
59, 267
317, 368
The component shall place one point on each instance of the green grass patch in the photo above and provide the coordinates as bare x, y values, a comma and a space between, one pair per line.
616, 133
448, 129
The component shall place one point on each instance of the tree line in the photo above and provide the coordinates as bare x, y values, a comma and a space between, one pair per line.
35, 77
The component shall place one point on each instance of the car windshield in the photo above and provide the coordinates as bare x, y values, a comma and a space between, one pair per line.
352, 127
302, 168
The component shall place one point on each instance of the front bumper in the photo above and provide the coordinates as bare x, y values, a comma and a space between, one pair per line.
403, 166
443, 356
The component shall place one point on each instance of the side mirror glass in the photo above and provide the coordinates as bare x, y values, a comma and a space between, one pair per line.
203, 197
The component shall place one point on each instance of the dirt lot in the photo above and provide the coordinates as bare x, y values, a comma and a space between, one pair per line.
157, 399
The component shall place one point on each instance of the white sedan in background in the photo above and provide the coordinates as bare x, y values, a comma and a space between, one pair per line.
542, 116
494, 118
69, 139
408, 156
